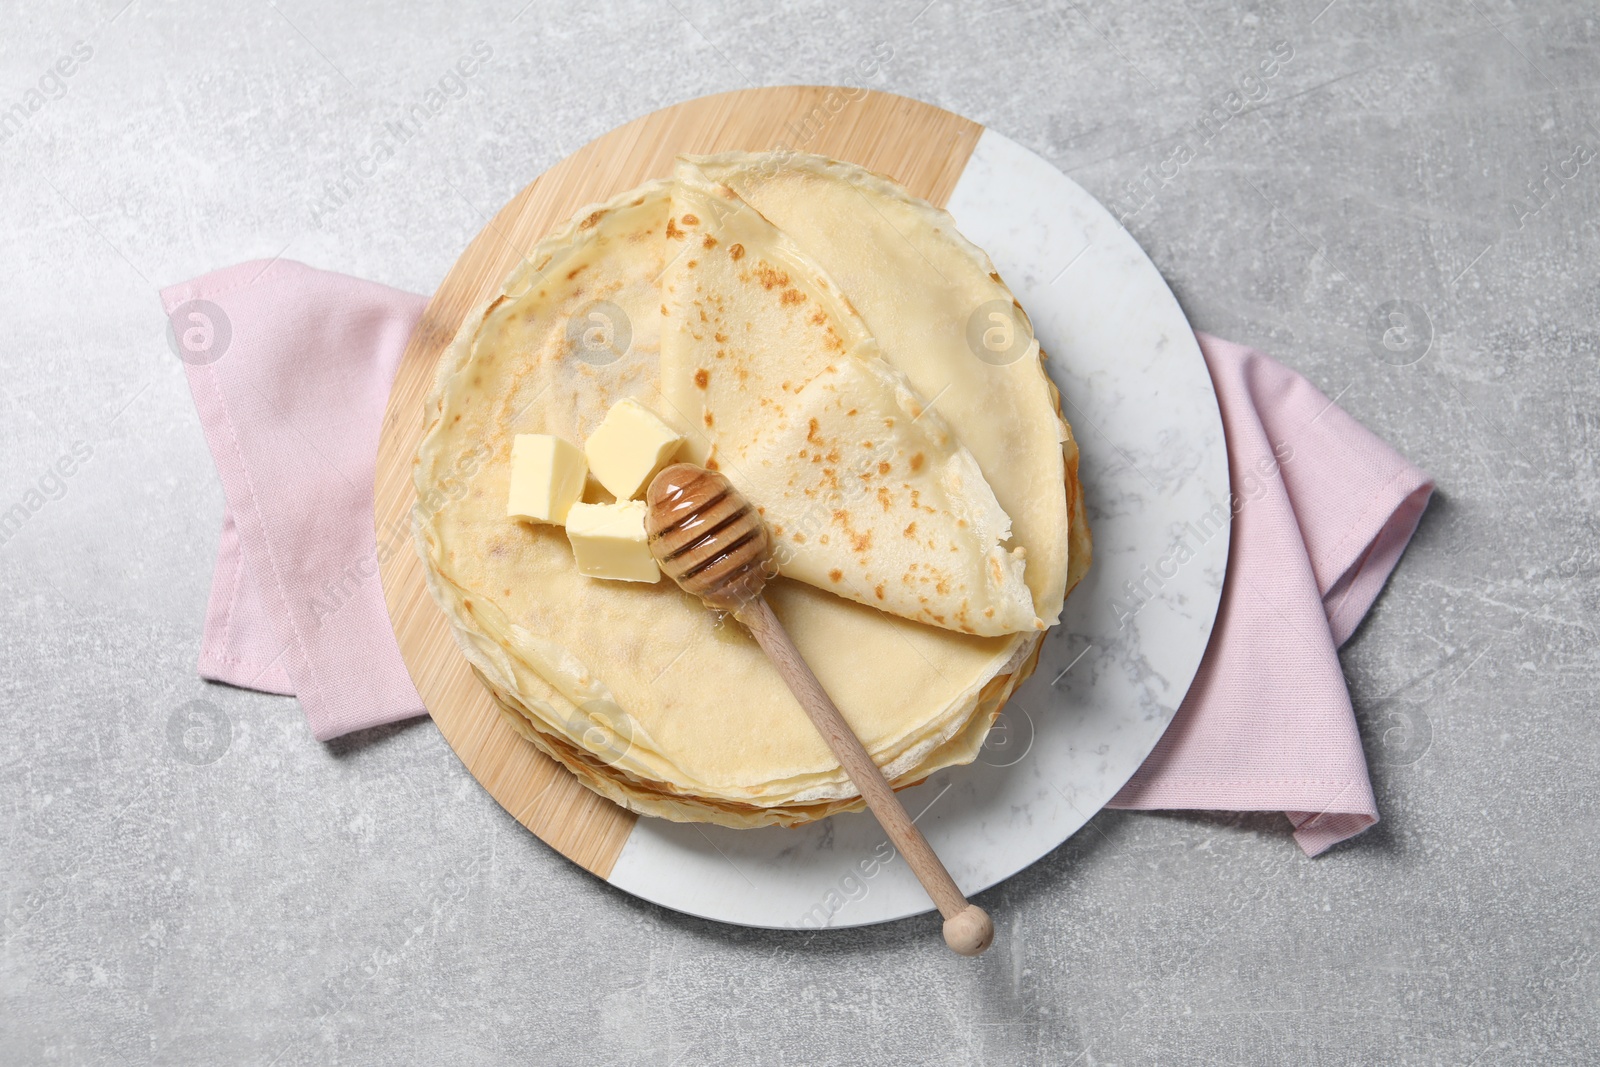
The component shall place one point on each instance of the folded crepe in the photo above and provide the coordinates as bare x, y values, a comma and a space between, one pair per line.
918, 285
778, 383
650, 699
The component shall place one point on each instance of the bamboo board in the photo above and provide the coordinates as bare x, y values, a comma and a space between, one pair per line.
920, 146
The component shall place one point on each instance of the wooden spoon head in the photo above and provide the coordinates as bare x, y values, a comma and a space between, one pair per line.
707, 537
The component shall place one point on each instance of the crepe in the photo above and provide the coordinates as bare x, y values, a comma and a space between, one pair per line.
919, 287
651, 699
774, 377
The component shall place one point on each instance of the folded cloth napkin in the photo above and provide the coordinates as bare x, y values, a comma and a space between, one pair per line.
290, 369
1322, 509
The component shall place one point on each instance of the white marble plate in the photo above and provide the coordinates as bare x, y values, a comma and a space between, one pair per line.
1136, 390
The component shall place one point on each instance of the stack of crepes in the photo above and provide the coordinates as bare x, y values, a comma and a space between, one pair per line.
861, 373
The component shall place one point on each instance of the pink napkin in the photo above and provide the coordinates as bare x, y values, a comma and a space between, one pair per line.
1322, 509
290, 369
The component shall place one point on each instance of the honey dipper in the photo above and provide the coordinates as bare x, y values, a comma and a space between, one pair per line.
710, 541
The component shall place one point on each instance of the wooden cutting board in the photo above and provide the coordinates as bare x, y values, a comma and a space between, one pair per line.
920, 146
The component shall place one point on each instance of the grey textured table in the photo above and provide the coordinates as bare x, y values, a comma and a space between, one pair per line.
366, 902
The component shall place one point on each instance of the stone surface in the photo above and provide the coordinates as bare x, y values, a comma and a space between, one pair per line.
201, 883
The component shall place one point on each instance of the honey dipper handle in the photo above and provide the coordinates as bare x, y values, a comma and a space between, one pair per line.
967, 928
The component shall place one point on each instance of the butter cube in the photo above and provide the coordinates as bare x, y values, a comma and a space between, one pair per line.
547, 476
628, 447
609, 541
